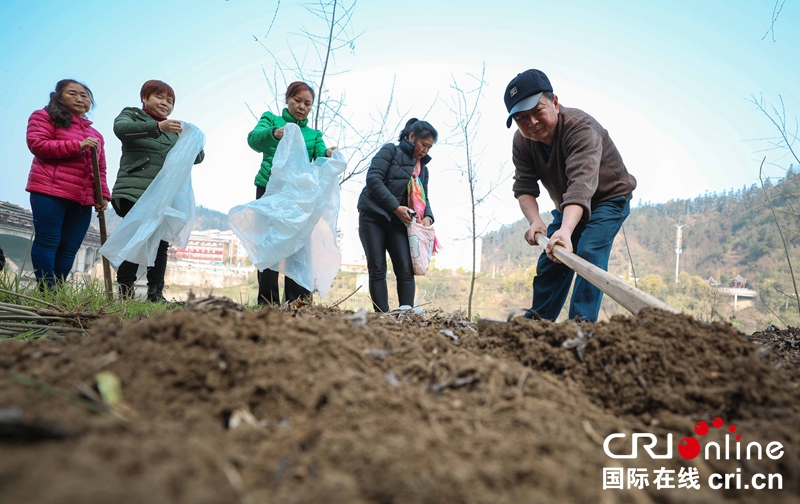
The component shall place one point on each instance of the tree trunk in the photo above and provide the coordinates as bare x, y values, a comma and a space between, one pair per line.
474, 230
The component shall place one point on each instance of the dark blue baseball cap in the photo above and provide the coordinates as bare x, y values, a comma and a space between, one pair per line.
524, 92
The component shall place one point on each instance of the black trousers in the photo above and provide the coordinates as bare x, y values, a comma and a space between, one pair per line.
126, 273
268, 281
379, 236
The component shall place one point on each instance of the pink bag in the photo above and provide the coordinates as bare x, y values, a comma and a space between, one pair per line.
420, 242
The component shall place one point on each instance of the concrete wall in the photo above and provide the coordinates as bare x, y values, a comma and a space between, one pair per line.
205, 277
189, 275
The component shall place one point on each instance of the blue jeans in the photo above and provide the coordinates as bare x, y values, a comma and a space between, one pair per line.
592, 240
60, 226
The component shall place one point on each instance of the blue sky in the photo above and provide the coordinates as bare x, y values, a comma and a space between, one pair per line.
669, 80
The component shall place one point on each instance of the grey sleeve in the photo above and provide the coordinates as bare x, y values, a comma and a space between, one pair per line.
526, 181
583, 147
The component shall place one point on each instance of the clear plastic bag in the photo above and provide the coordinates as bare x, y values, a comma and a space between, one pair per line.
165, 211
420, 243
292, 227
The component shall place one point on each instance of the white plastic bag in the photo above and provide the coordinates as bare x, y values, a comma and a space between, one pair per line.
166, 209
420, 243
292, 227
316, 264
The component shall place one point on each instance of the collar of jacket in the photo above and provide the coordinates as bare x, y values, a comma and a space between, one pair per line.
81, 119
290, 119
139, 111
407, 147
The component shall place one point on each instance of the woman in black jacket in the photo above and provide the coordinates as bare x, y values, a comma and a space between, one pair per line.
384, 211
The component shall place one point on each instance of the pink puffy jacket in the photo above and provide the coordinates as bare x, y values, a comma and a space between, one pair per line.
59, 166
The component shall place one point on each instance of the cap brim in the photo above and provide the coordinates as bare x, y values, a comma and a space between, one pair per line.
526, 104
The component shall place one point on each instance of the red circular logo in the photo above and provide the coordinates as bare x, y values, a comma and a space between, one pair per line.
701, 428
689, 448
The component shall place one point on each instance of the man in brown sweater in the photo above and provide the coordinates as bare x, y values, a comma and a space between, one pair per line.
573, 157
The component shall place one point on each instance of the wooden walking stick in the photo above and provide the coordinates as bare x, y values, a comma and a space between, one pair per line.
623, 293
101, 217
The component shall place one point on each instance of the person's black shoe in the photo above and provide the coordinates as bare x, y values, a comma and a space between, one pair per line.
155, 294
126, 292
157, 298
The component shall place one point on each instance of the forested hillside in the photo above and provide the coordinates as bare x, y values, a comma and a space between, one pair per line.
210, 219
205, 219
724, 235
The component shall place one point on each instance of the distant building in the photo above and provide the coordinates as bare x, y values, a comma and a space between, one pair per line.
12, 215
738, 282
742, 296
211, 247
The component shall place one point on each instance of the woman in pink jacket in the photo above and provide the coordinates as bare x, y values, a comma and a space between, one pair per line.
61, 181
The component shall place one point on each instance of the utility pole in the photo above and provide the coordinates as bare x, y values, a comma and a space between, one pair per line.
678, 250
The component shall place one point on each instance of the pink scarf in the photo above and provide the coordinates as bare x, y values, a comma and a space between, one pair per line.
418, 201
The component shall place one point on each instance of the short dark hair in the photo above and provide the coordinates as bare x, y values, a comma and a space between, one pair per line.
296, 87
549, 95
59, 114
153, 86
421, 129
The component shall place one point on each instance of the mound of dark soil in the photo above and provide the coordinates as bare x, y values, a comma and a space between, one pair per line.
391, 411
784, 343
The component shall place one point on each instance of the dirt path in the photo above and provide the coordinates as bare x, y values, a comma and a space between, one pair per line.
393, 411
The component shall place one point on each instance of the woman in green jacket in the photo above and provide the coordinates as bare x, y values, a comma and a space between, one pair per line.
147, 137
264, 138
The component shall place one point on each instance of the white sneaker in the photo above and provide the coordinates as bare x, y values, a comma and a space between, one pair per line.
405, 307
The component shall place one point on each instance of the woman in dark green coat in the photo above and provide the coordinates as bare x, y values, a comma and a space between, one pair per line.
147, 137
264, 138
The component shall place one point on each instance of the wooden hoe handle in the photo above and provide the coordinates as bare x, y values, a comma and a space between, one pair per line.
101, 218
620, 291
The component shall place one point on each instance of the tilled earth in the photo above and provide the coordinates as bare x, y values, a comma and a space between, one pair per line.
317, 405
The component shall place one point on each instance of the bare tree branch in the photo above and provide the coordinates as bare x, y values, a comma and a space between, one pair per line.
764, 301
316, 61
778, 119
272, 23
251, 111
630, 258
776, 11
325, 65
780, 231
464, 107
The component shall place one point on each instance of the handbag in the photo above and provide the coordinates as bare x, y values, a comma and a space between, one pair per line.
420, 243
422, 240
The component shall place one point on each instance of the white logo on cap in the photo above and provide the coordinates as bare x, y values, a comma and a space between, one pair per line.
513, 92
